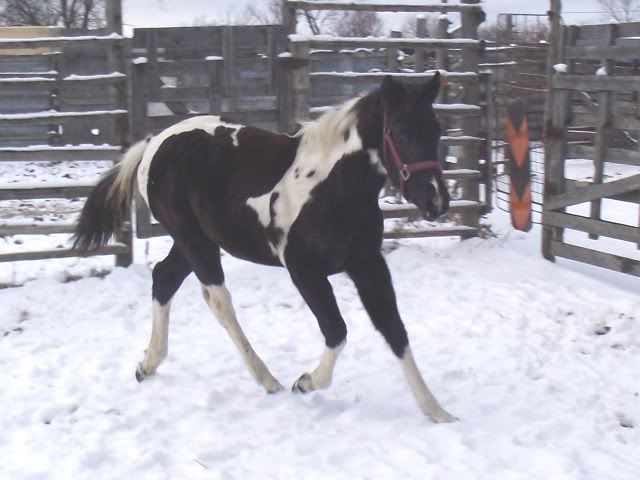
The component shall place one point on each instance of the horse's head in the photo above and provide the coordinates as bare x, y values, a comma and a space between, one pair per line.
411, 133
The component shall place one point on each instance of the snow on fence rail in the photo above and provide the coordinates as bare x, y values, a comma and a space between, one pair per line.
415, 7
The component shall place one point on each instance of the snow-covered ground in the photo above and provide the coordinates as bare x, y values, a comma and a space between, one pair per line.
540, 361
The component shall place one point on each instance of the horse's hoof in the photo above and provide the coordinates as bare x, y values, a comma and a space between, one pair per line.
140, 375
443, 417
274, 388
303, 385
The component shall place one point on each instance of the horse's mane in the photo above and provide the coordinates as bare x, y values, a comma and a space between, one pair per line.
325, 133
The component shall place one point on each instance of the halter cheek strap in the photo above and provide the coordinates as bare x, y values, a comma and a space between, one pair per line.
404, 169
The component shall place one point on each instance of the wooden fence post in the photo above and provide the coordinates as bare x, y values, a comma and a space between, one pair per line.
140, 75
300, 84
421, 32
554, 181
228, 51
554, 137
121, 134
392, 53
215, 74
470, 125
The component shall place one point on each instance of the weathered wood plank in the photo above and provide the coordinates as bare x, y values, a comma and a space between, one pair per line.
115, 249
416, 78
380, 7
54, 116
598, 259
593, 192
58, 155
588, 225
9, 192
599, 52
326, 41
390, 210
593, 83
59, 42
613, 155
35, 229
457, 231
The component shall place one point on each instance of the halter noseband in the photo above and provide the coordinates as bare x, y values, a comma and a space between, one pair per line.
404, 169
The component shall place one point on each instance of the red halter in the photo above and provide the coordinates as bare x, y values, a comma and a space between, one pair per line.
404, 169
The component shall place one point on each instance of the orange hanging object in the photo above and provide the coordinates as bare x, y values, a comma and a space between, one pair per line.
517, 134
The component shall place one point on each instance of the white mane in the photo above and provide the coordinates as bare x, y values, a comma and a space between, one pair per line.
323, 134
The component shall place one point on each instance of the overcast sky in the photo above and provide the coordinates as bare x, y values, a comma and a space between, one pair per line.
150, 13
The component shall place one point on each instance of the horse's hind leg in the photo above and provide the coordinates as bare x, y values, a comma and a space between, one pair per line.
168, 275
204, 257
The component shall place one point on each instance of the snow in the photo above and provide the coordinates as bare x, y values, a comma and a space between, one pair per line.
41, 148
81, 38
560, 67
213, 57
285, 55
26, 79
602, 71
139, 60
95, 77
54, 113
508, 341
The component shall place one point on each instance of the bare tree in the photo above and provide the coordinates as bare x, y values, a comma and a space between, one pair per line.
82, 14
358, 24
264, 12
621, 10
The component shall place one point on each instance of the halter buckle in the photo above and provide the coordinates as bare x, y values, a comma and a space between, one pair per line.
405, 173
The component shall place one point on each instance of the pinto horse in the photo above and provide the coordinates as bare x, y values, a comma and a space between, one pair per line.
308, 202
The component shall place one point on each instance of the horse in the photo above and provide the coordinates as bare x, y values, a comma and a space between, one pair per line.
307, 202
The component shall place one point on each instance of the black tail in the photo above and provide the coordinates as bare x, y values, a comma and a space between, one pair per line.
102, 215
109, 203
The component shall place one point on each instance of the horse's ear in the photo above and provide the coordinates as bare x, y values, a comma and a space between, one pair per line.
431, 89
391, 90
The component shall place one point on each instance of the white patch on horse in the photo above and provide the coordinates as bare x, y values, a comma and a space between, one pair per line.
323, 143
208, 123
374, 159
159, 342
218, 299
423, 396
322, 376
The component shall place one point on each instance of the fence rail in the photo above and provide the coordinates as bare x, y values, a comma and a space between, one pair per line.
55, 85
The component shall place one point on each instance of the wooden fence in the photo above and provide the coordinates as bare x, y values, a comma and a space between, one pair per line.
464, 138
115, 80
608, 106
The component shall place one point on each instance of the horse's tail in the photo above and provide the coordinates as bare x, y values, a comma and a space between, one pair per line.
109, 203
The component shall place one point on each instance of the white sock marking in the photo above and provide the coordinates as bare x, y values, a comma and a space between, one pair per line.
159, 342
322, 376
423, 396
218, 299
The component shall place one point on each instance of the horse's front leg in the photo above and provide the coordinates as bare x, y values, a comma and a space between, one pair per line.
373, 282
317, 292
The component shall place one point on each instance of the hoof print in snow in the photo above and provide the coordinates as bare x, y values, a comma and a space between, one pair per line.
602, 330
626, 423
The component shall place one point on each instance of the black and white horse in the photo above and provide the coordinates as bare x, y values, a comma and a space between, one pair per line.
308, 202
